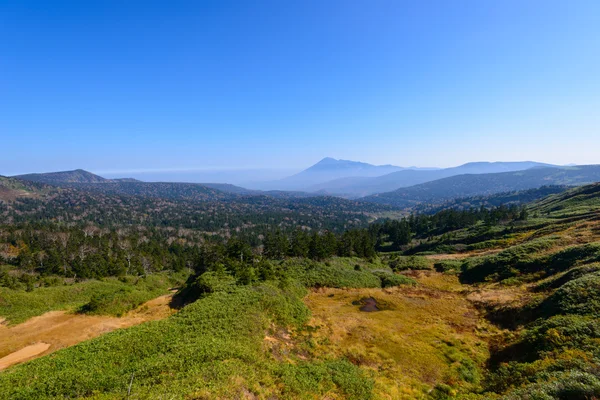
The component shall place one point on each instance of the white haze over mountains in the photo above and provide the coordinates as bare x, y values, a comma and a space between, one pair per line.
345, 178
354, 179
242, 177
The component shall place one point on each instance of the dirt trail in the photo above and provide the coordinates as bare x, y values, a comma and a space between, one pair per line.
462, 256
25, 353
59, 329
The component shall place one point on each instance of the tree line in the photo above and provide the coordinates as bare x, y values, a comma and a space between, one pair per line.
401, 232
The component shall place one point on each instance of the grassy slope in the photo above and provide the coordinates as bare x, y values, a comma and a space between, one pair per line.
110, 296
212, 348
541, 280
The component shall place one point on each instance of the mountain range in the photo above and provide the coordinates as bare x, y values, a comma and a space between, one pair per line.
403, 188
352, 179
354, 187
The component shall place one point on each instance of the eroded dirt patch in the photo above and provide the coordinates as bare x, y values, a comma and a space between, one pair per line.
24, 354
59, 329
369, 304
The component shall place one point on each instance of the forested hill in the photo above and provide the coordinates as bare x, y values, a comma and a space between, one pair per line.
164, 190
442, 190
81, 179
517, 197
188, 206
11, 188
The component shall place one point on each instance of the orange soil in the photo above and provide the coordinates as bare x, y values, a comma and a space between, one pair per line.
59, 329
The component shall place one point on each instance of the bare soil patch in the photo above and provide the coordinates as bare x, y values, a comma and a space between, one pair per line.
59, 329
24, 354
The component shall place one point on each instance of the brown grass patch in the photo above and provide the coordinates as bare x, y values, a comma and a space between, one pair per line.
412, 344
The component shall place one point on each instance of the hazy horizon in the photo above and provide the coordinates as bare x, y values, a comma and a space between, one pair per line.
234, 176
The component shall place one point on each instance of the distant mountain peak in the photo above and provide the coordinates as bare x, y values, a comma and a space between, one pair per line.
327, 160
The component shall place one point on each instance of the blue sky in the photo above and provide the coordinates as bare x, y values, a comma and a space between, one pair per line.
155, 85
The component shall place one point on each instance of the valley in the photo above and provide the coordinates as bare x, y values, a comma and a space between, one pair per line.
299, 200
453, 303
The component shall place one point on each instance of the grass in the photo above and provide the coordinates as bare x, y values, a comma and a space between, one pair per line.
424, 337
109, 296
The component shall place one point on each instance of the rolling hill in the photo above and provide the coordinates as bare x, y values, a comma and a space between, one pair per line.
53, 178
11, 189
442, 190
84, 180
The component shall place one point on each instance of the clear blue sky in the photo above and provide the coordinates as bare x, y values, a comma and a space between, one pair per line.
135, 85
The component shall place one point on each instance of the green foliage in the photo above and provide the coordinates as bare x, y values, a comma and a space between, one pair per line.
508, 263
212, 282
303, 380
135, 292
570, 275
579, 296
320, 274
402, 263
213, 346
340, 272
108, 296
389, 279
569, 385
448, 266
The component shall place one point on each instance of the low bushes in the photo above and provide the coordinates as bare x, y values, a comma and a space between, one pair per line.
402, 263
389, 279
448, 266
579, 296
108, 296
338, 274
212, 348
526, 259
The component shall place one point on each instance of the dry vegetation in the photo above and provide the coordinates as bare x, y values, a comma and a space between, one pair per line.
423, 336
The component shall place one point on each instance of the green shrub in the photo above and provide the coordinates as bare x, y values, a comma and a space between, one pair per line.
109, 296
321, 377
508, 263
389, 279
579, 296
402, 263
317, 274
570, 275
571, 385
448, 266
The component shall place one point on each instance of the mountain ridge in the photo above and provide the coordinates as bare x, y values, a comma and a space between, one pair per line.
328, 169
356, 187
485, 184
